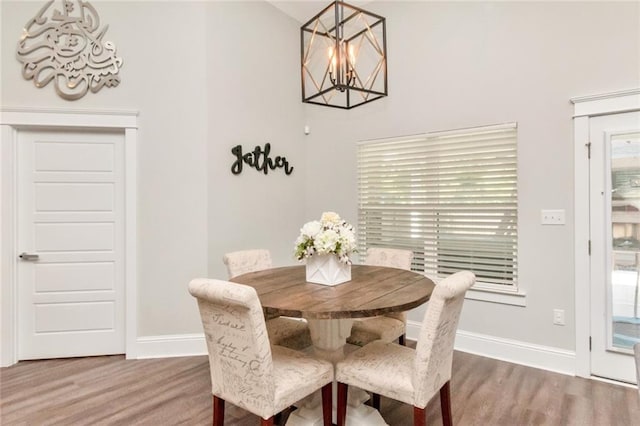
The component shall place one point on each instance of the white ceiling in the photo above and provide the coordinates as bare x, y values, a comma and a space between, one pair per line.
303, 10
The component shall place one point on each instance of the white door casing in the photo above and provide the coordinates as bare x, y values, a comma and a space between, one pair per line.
609, 295
70, 215
15, 124
585, 109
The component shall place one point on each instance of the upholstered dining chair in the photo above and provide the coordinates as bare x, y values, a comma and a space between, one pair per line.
288, 332
387, 327
245, 369
636, 353
408, 375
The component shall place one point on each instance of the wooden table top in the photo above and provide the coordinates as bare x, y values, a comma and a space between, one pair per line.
372, 291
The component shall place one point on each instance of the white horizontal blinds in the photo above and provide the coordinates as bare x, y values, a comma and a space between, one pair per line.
451, 197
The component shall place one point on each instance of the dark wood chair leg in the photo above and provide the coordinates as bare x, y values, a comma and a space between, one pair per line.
445, 404
375, 401
403, 340
327, 404
419, 416
342, 404
266, 422
218, 411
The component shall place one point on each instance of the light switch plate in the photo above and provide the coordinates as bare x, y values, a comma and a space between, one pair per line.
558, 316
552, 217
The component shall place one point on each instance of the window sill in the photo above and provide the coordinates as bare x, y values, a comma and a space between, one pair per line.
515, 299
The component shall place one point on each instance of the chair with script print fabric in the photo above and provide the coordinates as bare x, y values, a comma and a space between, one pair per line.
408, 375
387, 327
245, 369
289, 332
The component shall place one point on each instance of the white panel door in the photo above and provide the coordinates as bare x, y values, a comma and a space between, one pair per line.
615, 235
71, 237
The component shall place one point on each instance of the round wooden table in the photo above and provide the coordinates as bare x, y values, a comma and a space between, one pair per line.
372, 291
330, 311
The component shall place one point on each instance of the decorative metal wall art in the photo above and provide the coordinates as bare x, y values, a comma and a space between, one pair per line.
344, 57
67, 47
258, 159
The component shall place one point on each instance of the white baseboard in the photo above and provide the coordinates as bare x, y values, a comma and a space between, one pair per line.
170, 346
515, 351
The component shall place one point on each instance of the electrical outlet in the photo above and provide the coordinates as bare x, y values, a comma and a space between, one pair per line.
558, 316
552, 217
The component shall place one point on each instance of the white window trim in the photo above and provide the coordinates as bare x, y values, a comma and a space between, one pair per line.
517, 298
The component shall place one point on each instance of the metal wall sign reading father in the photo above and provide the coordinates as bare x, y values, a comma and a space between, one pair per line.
258, 159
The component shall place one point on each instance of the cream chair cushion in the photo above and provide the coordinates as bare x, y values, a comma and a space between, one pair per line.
245, 370
245, 261
289, 332
380, 367
413, 376
367, 330
390, 326
389, 257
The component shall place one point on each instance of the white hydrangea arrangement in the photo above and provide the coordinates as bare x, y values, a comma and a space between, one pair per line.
330, 235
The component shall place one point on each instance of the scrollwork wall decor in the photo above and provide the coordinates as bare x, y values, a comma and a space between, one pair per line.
259, 159
67, 47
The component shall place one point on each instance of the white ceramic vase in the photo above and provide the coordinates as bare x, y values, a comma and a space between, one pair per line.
326, 269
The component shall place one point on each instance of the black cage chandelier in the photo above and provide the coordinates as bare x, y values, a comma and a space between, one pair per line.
344, 57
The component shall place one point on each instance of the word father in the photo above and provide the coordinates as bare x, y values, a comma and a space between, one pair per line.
258, 159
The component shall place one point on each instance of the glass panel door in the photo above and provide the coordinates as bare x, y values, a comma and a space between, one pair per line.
625, 240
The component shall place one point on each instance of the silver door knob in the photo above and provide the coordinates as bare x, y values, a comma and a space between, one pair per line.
29, 257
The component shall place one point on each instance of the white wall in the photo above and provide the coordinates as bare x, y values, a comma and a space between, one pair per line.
164, 77
253, 98
454, 65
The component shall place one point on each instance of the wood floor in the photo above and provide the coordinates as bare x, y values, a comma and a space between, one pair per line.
176, 391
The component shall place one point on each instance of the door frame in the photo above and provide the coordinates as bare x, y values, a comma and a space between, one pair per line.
585, 108
12, 121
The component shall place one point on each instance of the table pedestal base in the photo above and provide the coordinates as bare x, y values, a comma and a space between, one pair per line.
329, 342
309, 413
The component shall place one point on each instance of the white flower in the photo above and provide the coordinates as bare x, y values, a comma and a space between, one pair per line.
330, 235
311, 229
348, 237
326, 242
331, 217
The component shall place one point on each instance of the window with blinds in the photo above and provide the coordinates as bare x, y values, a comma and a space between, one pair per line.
450, 197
